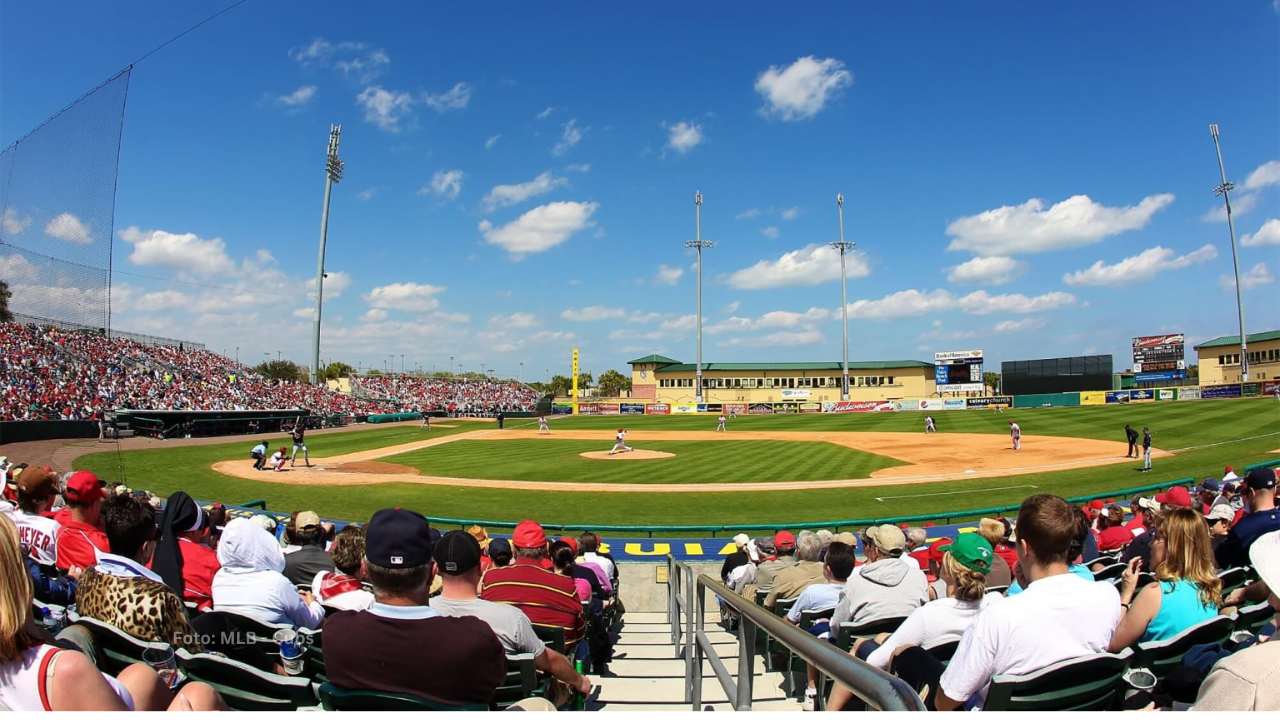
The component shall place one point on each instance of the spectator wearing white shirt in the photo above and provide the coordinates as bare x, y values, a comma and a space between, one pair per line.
823, 596
589, 543
1060, 616
251, 580
343, 588
37, 489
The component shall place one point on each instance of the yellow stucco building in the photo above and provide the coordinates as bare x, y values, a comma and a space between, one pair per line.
664, 380
1220, 358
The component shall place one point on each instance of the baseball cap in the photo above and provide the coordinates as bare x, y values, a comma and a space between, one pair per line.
83, 487
1264, 555
456, 552
1149, 504
397, 538
479, 534
887, 537
571, 542
529, 534
499, 546
741, 539
784, 540
1175, 496
306, 519
937, 549
1221, 511
1096, 504
1261, 479
1211, 484
264, 521
972, 551
39, 481
847, 538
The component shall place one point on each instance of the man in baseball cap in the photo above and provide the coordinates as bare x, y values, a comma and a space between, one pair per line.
1219, 520
81, 522
1260, 495
885, 586
1174, 497
546, 597
784, 552
400, 644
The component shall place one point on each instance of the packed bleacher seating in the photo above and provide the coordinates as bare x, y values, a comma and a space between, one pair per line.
48, 373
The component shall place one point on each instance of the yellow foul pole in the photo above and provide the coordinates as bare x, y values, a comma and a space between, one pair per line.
573, 394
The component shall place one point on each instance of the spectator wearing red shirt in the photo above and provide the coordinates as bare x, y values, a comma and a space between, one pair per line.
1114, 535
548, 598
1138, 523
81, 535
182, 558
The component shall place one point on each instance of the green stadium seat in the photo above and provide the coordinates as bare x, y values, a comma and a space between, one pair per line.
520, 682
944, 650
244, 687
1163, 656
1254, 617
115, 648
333, 697
1233, 578
553, 636
1092, 682
1109, 573
849, 632
239, 637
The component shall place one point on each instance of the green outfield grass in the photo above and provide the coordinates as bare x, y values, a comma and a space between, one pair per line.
1175, 426
694, 462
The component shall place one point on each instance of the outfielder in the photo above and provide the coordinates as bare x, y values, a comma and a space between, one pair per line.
720, 423
619, 442
929, 427
543, 427
299, 430
1015, 432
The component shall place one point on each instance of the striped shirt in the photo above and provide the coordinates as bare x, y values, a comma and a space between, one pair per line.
548, 598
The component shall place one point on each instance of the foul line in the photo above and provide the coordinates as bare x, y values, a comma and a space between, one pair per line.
1226, 442
955, 492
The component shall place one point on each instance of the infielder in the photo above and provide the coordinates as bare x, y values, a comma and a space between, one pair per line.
426, 421
619, 442
1015, 432
1146, 449
299, 430
543, 427
720, 423
929, 427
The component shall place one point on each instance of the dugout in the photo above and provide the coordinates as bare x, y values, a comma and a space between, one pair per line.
1050, 376
183, 423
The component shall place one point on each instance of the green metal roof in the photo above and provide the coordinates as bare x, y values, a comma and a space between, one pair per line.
861, 365
1234, 340
658, 359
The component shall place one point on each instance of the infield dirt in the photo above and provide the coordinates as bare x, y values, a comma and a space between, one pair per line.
927, 458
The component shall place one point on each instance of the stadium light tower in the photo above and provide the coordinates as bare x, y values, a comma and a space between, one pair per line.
698, 244
332, 174
843, 247
1225, 191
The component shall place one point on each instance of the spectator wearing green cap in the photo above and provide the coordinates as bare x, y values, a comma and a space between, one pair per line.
964, 568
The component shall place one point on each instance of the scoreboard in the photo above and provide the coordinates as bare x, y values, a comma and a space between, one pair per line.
1159, 353
958, 371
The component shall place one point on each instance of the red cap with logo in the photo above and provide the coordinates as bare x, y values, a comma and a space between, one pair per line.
571, 542
1175, 496
528, 534
783, 539
83, 487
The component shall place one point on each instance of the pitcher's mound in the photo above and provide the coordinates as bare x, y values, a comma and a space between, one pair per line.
633, 455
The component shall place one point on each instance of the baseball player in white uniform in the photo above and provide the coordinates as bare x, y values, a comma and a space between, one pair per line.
929, 427
619, 442
720, 423
543, 428
1015, 432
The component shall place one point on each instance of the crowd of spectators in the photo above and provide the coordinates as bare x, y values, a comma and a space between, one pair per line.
48, 373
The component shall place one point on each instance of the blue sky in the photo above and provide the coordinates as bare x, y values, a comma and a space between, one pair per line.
519, 180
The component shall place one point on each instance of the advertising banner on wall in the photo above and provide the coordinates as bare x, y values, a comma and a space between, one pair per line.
1209, 392
631, 409
1166, 394
760, 409
1117, 396
930, 404
810, 407
684, 408
734, 408
609, 408
1160, 376
848, 406
588, 409
985, 402
1270, 387
954, 404
1189, 393
795, 394
1141, 395
657, 409
1093, 397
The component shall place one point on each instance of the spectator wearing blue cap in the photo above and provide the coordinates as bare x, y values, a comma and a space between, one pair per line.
400, 644
1260, 495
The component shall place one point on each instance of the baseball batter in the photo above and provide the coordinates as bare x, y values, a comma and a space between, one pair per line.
543, 427
1015, 432
299, 431
720, 423
619, 442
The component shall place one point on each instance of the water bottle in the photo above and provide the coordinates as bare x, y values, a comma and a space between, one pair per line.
579, 700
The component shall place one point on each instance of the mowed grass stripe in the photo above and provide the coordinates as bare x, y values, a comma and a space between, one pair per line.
694, 462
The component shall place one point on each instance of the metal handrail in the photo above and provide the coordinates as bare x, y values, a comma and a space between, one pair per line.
687, 596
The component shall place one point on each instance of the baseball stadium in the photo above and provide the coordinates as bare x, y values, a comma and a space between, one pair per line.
209, 506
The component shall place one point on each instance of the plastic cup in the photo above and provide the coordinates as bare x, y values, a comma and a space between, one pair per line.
163, 661
1140, 679
290, 650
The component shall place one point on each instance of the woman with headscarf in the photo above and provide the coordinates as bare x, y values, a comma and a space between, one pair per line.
251, 580
182, 558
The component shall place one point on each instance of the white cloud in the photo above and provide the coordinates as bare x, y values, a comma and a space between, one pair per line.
298, 98
445, 183
1013, 326
455, 98
504, 195
541, 228
578, 167
1241, 203
800, 90
684, 136
305, 313
732, 307
980, 302
747, 214
185, 252
783, 338
384, 108
335, 283
13, 223
668, 275
353, 59
1138, 268
1268, 173
592, 313
1030, 228
490, 143
551, 336
407, 296
367, 194
570, 135
1257, 275
810, 265
364, 67
790, 213
70, 228
16, 268
546, 112
993, 270
1268, 234
516, 320
908, 303
770, 320
770, 231
681, 323
374, 315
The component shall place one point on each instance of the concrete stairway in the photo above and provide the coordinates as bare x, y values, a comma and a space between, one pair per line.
647, 675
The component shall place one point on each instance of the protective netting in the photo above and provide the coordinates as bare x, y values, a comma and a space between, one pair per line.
57, 204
